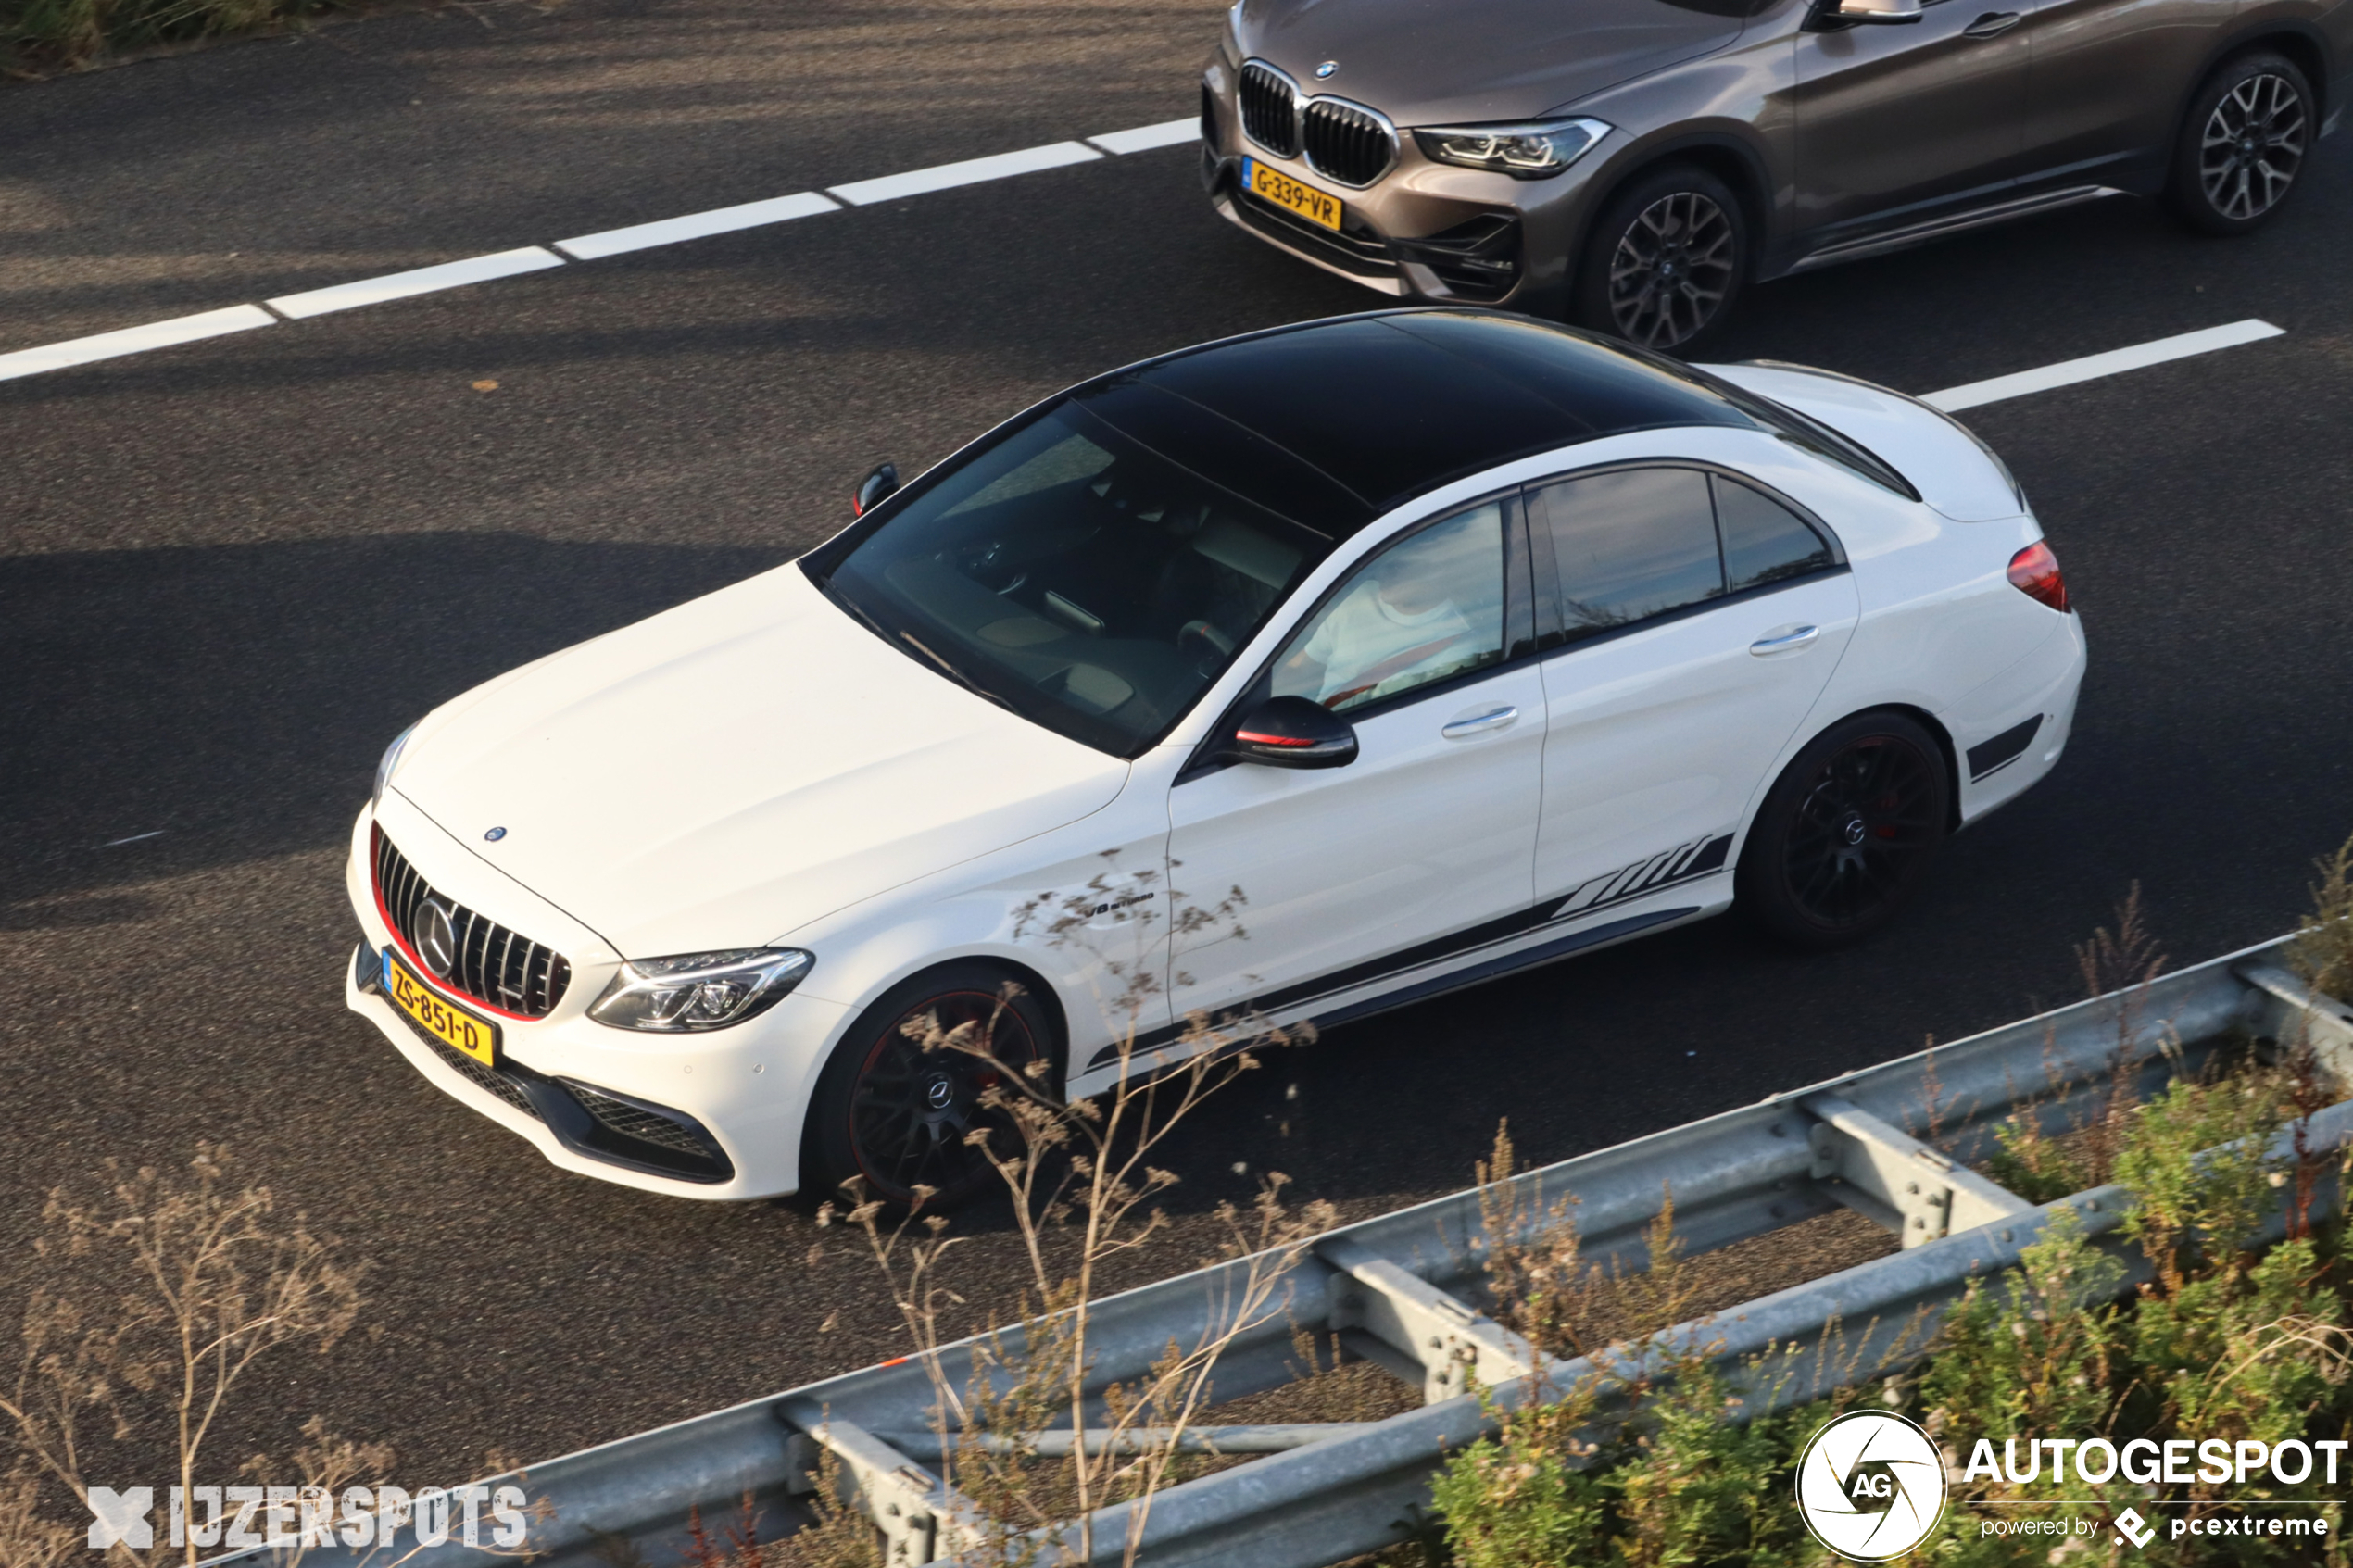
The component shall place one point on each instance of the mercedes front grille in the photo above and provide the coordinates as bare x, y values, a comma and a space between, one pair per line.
490, 963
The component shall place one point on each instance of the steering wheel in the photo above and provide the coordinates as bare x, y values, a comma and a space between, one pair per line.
1204, 636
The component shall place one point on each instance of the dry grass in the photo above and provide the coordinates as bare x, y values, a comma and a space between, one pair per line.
166, 1288
41, 36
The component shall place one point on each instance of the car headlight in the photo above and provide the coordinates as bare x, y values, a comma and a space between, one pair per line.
388, 763
1524, 152
698, 991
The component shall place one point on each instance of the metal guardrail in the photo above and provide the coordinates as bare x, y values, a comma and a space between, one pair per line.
1401, 1290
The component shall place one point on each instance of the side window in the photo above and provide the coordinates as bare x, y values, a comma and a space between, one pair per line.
1427, 607
1764, 541
1629, 545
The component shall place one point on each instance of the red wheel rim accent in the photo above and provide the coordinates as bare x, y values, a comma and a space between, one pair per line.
910, 1109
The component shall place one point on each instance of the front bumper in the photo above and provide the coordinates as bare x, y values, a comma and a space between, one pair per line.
1423, 231
1477, 261
716, 1115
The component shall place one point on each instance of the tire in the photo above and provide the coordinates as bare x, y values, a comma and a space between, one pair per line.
1665, 261
2242, 144
893, 1115
1846, 834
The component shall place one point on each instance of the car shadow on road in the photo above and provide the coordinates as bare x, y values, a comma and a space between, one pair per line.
177, 708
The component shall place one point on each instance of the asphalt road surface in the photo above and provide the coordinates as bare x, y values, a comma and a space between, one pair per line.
230, 572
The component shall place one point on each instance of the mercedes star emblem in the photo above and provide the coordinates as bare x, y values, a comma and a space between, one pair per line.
437, 938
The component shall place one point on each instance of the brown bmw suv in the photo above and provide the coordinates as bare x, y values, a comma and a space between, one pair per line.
1632, 165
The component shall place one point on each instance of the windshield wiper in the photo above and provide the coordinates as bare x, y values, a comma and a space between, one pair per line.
867, 620
953, 673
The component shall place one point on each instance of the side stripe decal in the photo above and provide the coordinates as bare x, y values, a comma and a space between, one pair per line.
1685, 862
1698, 858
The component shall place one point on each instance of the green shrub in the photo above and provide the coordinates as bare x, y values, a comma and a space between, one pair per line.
43, 35
1659, 1473
1510, 1507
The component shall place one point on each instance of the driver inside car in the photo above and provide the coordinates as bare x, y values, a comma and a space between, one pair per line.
1429, 607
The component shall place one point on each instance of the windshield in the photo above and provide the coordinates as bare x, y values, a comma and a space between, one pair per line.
1078, 578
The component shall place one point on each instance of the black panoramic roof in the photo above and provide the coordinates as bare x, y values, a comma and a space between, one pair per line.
1333, 422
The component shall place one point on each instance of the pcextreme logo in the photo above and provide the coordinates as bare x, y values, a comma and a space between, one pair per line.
1870, 1486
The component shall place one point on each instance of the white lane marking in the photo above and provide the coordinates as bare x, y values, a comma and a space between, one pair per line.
133, 340
2092, 367
972, 171
695, 225
611, 242
132, 839
422, 279
1145, 138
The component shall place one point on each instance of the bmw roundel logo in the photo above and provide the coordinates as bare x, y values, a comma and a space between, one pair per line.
494, 835
437, 938
1324, 71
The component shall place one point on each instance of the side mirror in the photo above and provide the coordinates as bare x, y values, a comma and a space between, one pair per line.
1290, 731
1874, 11
875, 489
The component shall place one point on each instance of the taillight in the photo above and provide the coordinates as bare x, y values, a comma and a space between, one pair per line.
2034, 572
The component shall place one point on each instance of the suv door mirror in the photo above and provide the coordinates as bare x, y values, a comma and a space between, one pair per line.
1291, 732
875, 489
1879, 11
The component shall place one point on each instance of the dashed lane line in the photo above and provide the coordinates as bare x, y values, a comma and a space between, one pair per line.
421, 280
590, 248
972, 171
696, 225
133, 340
2092, 367
894, 187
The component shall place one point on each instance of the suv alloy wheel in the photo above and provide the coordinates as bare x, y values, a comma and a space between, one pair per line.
2242, 144
1665, 260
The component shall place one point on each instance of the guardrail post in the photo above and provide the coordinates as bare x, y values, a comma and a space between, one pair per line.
1890, 1177
2288, 1012
1440, 1334
905, 1500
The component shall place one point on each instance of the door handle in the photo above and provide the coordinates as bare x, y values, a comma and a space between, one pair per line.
1787, 642
1993, 25
1480, 723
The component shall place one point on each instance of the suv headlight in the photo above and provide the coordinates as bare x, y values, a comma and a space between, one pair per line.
389, 762
698, 991
1524, 152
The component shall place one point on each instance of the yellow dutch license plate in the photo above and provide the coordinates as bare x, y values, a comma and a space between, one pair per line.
1289, 195
453, 1026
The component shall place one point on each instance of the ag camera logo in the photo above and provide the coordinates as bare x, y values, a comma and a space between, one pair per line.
1870, 1486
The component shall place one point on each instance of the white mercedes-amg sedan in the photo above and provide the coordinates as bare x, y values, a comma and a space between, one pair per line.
1457, 642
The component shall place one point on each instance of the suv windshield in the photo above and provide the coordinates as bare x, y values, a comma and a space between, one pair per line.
1078, 578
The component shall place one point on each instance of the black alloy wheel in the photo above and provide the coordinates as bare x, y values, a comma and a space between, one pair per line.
2242, 144
1847, 831
895, 1104
1665, 260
